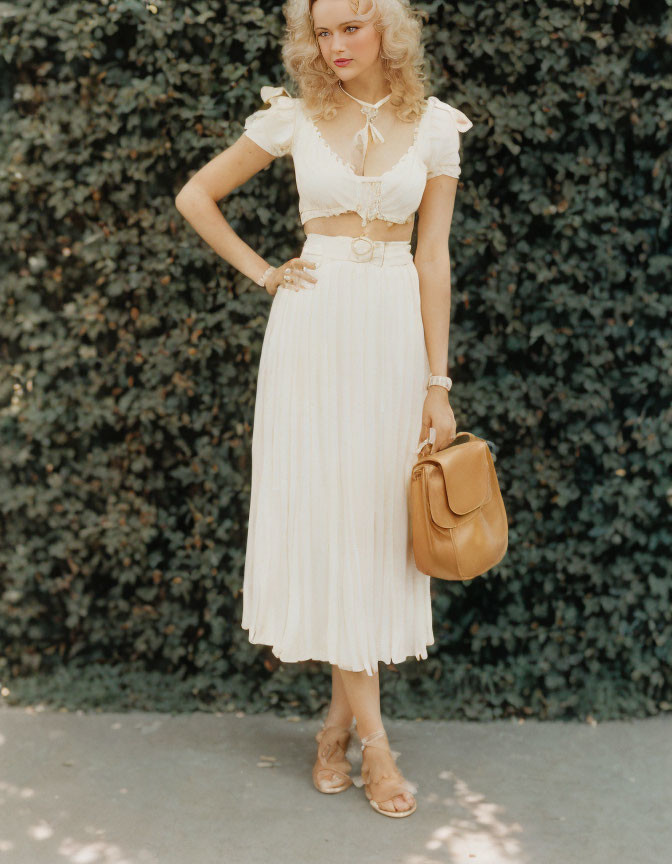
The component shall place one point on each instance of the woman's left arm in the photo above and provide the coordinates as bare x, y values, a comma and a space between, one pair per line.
432, 261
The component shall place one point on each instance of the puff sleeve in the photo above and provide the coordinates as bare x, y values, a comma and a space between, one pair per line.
273, 128
445, 125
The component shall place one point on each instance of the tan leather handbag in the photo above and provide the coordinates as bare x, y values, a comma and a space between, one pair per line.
458, 520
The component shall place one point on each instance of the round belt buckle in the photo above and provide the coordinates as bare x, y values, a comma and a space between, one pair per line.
365, 248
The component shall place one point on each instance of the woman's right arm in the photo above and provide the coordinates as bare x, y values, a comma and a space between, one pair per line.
197, 202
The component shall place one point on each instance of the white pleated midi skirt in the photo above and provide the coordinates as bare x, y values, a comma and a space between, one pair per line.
329, 569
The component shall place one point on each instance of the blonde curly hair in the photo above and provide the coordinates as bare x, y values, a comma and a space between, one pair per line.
401, 54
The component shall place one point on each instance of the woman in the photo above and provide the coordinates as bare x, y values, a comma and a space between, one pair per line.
355, 329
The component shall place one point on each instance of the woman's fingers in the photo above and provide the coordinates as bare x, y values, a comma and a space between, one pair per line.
300, 267
297, 272
424, 433
442, 441
312, 264
438, 438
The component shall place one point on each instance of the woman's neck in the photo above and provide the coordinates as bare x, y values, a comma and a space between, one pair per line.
367, 91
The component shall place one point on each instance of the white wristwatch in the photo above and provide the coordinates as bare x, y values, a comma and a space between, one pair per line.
441, 380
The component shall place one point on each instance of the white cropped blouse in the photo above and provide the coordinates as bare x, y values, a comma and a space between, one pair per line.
328, 185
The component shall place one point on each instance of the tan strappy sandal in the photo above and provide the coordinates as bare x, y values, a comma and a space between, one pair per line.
331, 760
381, 785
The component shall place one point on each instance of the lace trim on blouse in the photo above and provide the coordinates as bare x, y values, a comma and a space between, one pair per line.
369, 210
434, 152
349, 167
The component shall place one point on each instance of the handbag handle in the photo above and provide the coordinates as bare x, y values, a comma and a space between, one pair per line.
431, 438
468, 436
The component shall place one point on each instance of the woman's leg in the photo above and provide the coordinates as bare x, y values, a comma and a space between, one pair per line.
363, 694
340, 713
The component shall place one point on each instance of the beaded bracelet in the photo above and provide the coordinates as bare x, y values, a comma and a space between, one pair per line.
262, 279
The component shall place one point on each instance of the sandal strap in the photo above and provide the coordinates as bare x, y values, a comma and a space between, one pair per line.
333, 741
340, 733
388, 784
342, 728
367, 739
386, 788
330, 768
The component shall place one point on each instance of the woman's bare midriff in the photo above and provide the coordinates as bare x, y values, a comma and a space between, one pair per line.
350, 225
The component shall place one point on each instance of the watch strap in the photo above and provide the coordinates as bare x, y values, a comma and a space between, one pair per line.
441, 380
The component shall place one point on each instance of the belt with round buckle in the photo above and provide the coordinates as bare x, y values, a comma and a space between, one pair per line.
362, 251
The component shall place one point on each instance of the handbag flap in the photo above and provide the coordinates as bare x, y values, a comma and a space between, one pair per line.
466, 475
465, 472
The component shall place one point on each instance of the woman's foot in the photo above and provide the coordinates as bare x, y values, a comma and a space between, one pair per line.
387, 790
331, 768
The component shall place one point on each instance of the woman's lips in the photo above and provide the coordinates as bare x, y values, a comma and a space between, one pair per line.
342, 62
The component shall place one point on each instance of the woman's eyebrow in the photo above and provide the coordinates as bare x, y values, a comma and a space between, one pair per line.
351, 21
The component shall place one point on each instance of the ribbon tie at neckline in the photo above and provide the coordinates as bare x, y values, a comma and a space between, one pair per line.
361, 138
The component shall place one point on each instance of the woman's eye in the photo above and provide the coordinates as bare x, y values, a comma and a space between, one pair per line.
349, 27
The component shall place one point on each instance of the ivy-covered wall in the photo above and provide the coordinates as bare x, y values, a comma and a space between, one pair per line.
129, 355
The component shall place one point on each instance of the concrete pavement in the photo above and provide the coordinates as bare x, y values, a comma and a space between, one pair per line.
145, 788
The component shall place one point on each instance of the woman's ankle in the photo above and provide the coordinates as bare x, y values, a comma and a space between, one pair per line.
338, 718
367, 729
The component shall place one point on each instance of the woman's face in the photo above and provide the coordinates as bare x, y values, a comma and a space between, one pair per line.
342, 35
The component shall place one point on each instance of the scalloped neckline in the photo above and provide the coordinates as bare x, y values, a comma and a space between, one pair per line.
339, 159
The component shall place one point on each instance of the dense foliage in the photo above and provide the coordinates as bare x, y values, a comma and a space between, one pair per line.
130, 350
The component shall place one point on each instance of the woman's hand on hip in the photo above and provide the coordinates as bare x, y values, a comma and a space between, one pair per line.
295, 270
436, 412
